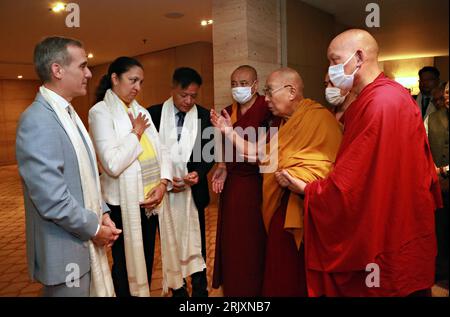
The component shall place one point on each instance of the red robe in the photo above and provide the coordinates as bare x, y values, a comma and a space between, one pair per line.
377, 205
241, 237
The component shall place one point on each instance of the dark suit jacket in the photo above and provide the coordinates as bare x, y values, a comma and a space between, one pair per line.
200, 191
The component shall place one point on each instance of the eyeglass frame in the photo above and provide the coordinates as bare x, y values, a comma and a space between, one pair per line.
269, 91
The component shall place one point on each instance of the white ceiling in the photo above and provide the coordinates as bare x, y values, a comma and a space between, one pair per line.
108, 28
409, 28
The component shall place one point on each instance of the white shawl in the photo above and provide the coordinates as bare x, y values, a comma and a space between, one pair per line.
182, 206
131, 193
101, 281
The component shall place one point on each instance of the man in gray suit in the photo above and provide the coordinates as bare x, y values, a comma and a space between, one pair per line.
58, 226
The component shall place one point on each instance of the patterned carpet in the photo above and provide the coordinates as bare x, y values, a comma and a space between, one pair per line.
14, 280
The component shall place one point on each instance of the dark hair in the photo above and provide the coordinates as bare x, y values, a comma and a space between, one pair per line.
52, 50
430, 69
119, 66
184, 76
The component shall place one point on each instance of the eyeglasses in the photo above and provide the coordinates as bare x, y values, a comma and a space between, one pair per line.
269, 91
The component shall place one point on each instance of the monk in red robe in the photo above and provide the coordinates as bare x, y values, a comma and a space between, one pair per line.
308, 141
240, 240
369, 226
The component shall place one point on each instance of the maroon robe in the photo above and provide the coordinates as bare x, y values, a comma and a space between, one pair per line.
374, 213
241, 237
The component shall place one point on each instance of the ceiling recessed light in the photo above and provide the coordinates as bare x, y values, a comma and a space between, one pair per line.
90, 55
206, 22
20, 76
174, 15
58, 7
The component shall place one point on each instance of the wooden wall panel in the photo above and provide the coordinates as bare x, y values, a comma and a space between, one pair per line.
15, 97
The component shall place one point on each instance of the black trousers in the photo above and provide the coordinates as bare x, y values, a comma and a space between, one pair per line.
119, 268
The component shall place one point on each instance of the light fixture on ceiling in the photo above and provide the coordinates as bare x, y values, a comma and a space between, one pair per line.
19, 76
58, 7
90, 55
174, 15
206, 22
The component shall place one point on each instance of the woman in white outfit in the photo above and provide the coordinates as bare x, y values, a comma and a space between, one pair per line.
136, 174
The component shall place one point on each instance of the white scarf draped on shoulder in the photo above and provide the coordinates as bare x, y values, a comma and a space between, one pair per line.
101, 281
131, 194
182, 206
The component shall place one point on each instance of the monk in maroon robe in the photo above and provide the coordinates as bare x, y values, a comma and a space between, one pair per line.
369, 226
241, 238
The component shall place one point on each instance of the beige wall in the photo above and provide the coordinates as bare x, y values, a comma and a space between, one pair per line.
309, 32
158, 70
15, 97
441, 63
245, 32
409, 68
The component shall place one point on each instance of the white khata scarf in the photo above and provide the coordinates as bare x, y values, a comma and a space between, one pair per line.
182, 206
101, 281
131, 193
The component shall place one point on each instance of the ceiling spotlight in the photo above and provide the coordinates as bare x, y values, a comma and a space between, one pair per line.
20, 77
90, 55
58, 7
206, 22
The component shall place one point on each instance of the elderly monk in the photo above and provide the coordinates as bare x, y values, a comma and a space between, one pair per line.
369, 226
308, 140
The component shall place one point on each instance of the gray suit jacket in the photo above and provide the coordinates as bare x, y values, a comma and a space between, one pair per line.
58, 227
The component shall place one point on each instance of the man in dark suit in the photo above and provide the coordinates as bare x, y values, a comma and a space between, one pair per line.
180, 113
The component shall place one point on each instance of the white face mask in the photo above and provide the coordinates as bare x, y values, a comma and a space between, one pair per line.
242, 94
334, 97
339, 78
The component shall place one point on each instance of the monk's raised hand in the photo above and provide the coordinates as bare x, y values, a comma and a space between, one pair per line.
221, 122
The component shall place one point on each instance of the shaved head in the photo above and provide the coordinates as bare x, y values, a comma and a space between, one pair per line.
246, 68
360, 50
288, 76
353, 40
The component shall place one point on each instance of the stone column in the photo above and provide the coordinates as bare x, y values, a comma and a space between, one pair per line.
244, 32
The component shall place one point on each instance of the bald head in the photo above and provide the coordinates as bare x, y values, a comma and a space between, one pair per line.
284, 91
288, 76
353, 40
360, 50
246, 69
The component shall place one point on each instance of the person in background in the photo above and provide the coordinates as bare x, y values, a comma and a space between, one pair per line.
428, 80
436, 125
339, 99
